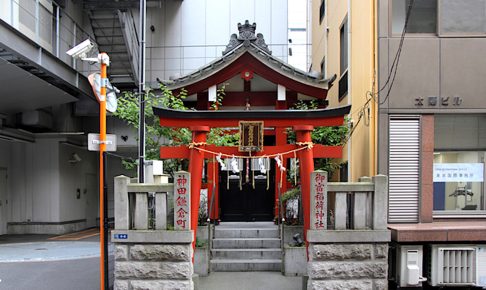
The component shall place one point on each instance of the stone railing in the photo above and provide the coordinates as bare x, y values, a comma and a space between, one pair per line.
149, 253
358, 205
348, 239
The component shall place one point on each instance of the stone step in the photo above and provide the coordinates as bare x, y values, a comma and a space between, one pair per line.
246, 243
246, 233
248, 265
239, 225
244, 254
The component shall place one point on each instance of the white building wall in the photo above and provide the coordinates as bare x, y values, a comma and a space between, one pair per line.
74, 177
33, 182
4, 154
43, 184
189, 34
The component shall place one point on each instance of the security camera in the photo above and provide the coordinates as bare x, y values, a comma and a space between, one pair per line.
81, 50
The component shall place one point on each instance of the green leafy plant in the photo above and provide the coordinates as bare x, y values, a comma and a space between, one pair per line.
200, 243
291, 194
128, 111
330, 136
292, 199
220, 94
202, 217
156, 135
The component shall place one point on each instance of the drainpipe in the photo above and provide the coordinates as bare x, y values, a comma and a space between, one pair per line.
141, 93
374, 114
350, 92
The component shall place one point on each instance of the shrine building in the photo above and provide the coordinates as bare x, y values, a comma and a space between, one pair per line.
245, 182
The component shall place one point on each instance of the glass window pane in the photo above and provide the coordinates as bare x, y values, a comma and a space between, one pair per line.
467, 17
344, 47
459, 181
423, 16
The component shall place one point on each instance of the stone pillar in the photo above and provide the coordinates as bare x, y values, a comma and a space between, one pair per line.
196, 169
306, 158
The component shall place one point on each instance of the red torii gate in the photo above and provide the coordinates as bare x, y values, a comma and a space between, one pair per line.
200, 122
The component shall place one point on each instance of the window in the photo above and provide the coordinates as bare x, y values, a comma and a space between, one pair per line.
459, 165
459, 181
343, 37
343, 80
343, 86
462, 17
323, 67
423, 16
322, 11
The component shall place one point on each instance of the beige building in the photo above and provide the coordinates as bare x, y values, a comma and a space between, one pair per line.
343, 44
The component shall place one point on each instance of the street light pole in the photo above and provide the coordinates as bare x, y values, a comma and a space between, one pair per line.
80, 51
104, 60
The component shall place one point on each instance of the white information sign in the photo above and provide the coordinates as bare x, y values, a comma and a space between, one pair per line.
458, 172
94, 142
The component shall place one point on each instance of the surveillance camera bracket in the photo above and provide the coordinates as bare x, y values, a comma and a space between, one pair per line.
102, 58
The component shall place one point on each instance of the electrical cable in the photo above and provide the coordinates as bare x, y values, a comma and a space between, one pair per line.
394, 68
390, 79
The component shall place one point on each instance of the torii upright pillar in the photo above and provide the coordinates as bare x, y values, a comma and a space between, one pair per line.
196, 169
306, 157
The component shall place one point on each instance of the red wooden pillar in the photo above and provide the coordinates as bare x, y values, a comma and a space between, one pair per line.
306, 157
213, 178
196, 168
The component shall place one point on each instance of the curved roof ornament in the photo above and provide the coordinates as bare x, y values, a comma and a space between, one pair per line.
246, 37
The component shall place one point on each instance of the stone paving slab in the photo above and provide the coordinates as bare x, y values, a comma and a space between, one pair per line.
249, 281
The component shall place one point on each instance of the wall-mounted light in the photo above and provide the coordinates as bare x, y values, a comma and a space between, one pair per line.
74, 158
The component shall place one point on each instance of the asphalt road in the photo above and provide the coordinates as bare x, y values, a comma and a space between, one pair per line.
79, 274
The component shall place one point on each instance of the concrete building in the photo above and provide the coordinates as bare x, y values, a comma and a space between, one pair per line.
431, 137
48, 180
343, 45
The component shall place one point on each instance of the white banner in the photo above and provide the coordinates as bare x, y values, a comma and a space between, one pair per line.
458, 172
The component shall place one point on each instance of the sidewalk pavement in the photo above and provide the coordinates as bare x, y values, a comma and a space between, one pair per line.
31, 248
85, 244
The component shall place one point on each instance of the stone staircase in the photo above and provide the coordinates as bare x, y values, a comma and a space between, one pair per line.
246, 246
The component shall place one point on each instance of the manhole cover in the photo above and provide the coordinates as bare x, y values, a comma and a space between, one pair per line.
41, 249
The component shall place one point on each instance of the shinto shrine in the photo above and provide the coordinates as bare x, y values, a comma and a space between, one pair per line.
259, 90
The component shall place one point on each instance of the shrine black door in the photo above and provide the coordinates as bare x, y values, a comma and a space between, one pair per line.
245, 202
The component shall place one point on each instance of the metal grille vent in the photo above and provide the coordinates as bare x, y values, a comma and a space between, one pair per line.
404, 169
456, 266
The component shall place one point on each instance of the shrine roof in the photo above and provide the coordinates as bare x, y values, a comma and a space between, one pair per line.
248, 42
252, 114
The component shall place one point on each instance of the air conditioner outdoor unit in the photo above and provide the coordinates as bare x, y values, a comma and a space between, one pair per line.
458, 265
409, 266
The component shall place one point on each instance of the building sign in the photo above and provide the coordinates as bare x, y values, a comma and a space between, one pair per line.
434, 101
251, 136
182, 200
120, 236
318, 200
458, 172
